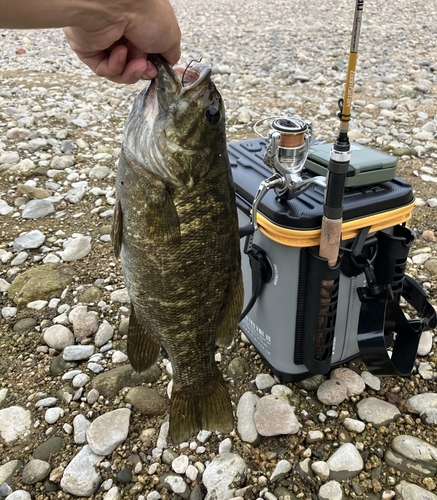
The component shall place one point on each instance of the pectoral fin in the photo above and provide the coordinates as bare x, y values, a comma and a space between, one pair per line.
117, 229
142, 346
161, 218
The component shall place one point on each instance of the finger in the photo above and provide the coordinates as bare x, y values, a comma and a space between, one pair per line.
134, 71
172, 55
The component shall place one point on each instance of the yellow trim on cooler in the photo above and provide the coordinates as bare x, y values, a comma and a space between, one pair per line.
311, 237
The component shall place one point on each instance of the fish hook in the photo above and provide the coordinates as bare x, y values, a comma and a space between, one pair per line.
189, 64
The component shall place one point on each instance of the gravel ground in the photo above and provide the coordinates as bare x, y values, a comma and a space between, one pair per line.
74, 420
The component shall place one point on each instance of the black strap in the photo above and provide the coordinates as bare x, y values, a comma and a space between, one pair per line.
382, 324
261, 273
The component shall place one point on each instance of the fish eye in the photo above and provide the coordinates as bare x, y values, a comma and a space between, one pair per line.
212, 114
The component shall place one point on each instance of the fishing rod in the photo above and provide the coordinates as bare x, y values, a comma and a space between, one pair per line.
340, 157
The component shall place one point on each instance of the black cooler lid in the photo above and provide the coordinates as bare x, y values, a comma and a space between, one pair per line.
306, 211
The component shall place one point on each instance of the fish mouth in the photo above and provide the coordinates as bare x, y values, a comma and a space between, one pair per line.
183, 79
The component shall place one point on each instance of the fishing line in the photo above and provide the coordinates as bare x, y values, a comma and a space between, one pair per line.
189, 64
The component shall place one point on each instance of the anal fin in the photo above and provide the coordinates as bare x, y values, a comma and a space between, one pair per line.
191, 412
142, 347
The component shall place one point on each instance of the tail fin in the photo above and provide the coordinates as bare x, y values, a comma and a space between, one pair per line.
191, 412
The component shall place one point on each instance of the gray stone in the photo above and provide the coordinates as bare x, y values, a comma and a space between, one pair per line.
5, 209
283, 467
99, 172
58, 337
20, 259
109, 383
413, 455
15, 424
354, 383
32, 239
8, 470
331, 491
409, 491
36, 209
41, 283
48, 448
76, 249
345, 463
274, 416
80, 427
321, 469
423, 402
264, 382
104, 334
371, 380
332, 392
425, 344
246, 427
108, 431
121, 296
237, 368
78, 352
10, 157
223, 475
52, 415
81, 477
177, 485
36, 144
376, 411
62, 162
35, 471
19, 495
85, 324
147, 401
353, 425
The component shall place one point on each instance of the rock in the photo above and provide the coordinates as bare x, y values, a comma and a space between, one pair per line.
321, 469
177, 485
35, 471
237, 367
10, 157
114, 494
9, 469
223, 475
36, 209
25, 167
90, 294
180, 464
41, 283
4, 285
345, 463
147, 401
78, 352
273, 416
331, 491
423, 402
104, 334
264, 382
409, 491
246, 427
19, 495
5, 209
283, 467
32, 192
48, 448
109, 430
81, 477
371, 380
15, 424
80, 427
332, 392
413, 455
376, 411
58, 337
353, 425
109, 383
62, 162
52, 415
76, 249
354, 383
85, 324
121, 296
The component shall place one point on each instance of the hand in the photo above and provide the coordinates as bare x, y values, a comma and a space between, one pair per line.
116, 47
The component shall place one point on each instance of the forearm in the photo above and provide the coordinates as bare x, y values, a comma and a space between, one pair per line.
24, 14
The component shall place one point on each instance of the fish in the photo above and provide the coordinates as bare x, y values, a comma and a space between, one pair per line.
176, 233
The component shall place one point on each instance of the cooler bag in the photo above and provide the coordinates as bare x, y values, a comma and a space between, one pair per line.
285, 317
